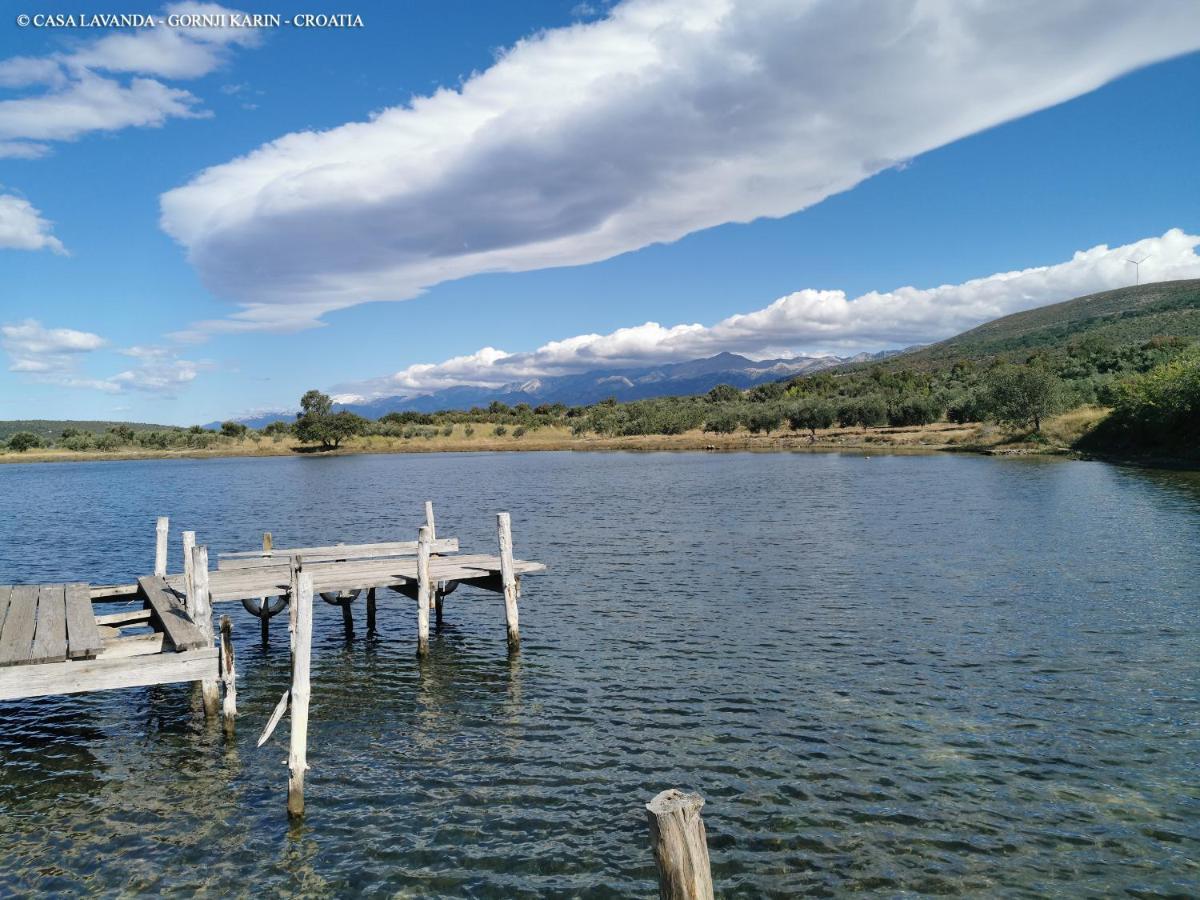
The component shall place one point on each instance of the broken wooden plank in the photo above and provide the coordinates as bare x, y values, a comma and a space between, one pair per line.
82, 637
16, 640
128, 617
113, 592
170, 615
133, 645
75, 676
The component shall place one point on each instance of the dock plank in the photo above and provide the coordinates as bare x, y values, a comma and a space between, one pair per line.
249, 559
83, 637
75, 676
16, 641
170, 614
50, 628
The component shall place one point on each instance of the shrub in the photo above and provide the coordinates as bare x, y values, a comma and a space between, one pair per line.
469, 430
1020, 395
765, 419
519, 431
500, 430
862, 412
912, 411
724, 393
810, 415
724, 421
24, 440
233, 429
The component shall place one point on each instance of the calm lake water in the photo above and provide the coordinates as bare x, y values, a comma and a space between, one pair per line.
926, 674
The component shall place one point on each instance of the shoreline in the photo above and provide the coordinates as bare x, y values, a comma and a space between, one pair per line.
939, 437
1058, 437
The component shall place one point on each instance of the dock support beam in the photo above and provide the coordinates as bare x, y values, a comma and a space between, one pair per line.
512, 587
370, 610
200, 610
189, 544
228, 676
439, 589
680, 846
161, 528
301, 627
424, 590
265, 617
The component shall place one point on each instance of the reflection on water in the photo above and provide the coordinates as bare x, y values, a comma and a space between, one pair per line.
888, 674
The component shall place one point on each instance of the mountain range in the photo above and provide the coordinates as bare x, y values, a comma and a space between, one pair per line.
672, 379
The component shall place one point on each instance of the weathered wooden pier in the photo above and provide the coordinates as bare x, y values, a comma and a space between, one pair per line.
54, 641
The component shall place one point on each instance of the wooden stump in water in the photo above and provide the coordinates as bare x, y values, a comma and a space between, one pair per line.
201, 612
424, 590
301, 622
371, 611
228, 675
680, 846
512, 588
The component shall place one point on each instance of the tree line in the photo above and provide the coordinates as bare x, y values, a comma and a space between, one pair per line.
1152, 387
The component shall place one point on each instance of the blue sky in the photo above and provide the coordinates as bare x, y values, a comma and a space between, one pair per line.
1113, 165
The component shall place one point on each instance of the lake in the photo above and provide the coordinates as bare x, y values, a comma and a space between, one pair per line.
928, 674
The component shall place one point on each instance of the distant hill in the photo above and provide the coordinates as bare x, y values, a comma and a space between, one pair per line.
1131, 315
53, 428
695, 376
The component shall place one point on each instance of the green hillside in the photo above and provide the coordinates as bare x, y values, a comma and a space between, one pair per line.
52, 429
1126, 316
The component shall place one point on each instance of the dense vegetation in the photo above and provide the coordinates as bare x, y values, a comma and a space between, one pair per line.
1103, 350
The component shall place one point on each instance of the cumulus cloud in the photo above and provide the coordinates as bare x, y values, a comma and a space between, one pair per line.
23, 228
813, 321
76, 98
34, 348
53, 356
664, 117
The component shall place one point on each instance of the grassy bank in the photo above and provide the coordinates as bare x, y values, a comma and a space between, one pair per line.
1057, 436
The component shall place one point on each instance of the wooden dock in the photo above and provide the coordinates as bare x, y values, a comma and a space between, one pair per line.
54, 641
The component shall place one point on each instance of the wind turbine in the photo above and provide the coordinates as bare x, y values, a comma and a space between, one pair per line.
1137, 268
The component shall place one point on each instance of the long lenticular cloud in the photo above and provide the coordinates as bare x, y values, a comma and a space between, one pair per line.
666, 117
812, 321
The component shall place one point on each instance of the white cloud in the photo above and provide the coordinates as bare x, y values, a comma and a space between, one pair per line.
814, 321
91, 103
77, 100
53, 356
23, 228
665, 117
33, 348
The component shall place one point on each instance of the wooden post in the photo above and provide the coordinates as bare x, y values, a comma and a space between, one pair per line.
161, 527
370, 610
347, 616
265, 616
201, 613
512, 588
228, 675
302, 604
423, 590
439, 589
680, 846
189, 543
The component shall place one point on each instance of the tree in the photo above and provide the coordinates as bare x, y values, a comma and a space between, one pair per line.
24, 440
317, 423
811, 415
1020, 395
233, 429
724, 393
280, 428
